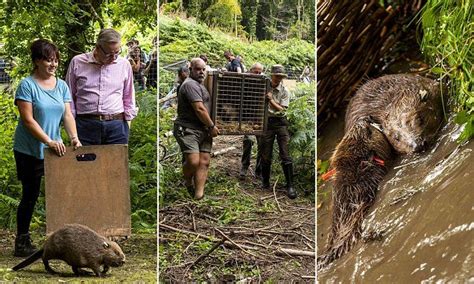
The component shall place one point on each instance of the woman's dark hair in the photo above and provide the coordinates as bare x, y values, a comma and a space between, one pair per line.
43, 49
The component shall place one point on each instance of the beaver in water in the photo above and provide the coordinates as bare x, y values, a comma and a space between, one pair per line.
393, 114
79, 246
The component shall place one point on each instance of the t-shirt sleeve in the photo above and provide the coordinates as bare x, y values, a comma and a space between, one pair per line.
24, 92
191, 92
65, 92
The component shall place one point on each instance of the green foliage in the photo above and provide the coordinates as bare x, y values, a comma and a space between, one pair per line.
181, 39
8, 121
143, 153
448, 41
301, 114
222, 13
256, 19
73, 30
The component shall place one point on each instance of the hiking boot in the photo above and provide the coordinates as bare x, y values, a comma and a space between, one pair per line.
266, 176
288, 171
243, 172
23, 246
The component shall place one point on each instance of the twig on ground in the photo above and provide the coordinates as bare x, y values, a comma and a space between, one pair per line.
274, 195
296, 252
202, 256
192, 217
234, 243
186, 249
186, 232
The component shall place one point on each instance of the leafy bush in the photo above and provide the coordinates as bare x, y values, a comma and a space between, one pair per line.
448, 41
302, 123
142, 162
180, 39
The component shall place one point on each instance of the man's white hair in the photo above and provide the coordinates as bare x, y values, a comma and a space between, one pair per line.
108, 36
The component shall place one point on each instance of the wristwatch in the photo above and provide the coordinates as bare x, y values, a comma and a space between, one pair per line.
209, 128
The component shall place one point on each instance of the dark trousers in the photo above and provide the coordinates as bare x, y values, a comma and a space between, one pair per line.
97, 132
247, 144
276, 129
29, 172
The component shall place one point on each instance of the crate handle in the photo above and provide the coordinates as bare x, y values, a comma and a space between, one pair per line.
86, 157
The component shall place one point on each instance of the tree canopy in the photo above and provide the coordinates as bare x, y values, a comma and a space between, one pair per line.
71, 24
256, 19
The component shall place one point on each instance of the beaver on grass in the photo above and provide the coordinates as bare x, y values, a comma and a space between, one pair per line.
389, 115
79, 246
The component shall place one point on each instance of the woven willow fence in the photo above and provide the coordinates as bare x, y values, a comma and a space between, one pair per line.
353, 37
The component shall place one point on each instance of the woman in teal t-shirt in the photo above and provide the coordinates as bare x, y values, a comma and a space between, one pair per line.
43, 102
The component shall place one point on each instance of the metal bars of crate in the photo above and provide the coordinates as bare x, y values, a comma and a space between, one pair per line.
239, 105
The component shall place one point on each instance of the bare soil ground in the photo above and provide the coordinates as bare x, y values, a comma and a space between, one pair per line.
140, 266
238, 232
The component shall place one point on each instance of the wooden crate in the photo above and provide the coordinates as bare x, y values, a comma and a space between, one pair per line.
95, 193
238, 102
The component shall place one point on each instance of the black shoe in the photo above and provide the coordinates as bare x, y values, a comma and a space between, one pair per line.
23, 246
266, 176
288, 171
243, 172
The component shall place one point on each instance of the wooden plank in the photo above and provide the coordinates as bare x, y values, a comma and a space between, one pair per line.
94, 193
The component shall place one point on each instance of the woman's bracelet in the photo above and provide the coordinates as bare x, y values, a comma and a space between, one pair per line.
73, 137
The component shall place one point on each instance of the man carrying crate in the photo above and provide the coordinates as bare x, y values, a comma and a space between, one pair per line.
278, 100
194, 129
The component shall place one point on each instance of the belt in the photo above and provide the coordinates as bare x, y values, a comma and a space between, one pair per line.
117, 116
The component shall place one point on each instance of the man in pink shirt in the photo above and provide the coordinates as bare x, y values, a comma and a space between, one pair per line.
103, 97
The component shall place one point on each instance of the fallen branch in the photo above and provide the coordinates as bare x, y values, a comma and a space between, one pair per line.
295, 252
202, 256
223, 151
234, 243
274, 195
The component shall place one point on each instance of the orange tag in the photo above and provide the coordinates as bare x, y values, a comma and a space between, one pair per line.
379, 161
327, 175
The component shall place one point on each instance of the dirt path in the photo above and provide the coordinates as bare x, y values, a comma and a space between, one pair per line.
238, 231
140, 266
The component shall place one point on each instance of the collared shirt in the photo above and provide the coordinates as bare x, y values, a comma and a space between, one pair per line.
101, 89
280, 95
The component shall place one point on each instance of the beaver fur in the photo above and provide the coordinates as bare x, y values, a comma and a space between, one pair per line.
79, 246
388, 115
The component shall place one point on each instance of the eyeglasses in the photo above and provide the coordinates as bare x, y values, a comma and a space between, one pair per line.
110, 54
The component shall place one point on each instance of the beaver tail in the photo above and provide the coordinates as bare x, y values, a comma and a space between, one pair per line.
32, 258
359, 163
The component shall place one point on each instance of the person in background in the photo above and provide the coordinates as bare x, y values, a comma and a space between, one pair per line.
151, 71
208, 67
278, 101
240, 58
138, 67
43, 101
169, 99
194, 129
247, 142
103, 96
233, 64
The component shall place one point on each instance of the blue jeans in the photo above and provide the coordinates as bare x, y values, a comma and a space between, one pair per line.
97, 132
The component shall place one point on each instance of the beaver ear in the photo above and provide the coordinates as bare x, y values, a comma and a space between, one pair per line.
106, 245
423, 95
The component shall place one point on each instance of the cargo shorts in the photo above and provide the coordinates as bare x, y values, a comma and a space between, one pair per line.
192, 140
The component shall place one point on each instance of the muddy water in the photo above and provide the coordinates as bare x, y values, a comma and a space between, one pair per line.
423, 219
